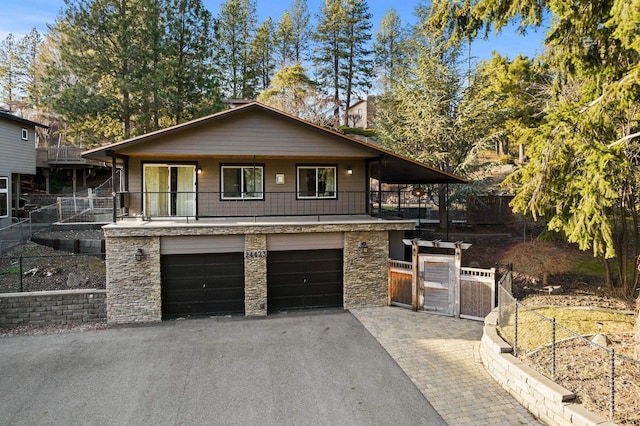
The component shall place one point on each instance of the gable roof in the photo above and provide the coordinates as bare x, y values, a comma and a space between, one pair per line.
395, 168
21, 120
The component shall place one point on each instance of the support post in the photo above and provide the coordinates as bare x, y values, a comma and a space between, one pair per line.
415, 276
457, 266
113, 186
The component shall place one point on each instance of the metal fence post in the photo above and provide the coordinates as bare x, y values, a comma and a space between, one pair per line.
553, 348
20, 262
515, 333
612, 381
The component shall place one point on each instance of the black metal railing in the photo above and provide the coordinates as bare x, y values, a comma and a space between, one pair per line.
388, 204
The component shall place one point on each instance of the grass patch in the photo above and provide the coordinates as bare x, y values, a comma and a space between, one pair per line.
589, 266
534, 331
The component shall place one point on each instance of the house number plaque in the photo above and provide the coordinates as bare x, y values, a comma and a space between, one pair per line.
255, 253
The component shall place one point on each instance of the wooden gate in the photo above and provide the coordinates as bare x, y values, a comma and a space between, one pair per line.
477, 292
400, 279
438, 283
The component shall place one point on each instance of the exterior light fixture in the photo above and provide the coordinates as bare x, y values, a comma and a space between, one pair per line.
364, 247
139, 254
418, 192
349, 171
199, 170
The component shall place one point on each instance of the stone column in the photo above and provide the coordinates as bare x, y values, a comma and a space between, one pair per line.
366, 281
255, 275
133, 286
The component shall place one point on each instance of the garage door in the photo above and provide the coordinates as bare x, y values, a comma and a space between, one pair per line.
202, 284
304, 279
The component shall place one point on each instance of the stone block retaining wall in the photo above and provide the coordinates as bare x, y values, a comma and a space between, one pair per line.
549, 402
53, 307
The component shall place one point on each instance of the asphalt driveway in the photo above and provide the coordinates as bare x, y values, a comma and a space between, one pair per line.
302, 369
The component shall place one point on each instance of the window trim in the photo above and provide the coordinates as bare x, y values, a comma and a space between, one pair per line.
242, 196
317, 166
5, 190
25, 134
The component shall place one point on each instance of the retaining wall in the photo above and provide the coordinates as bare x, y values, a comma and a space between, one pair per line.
549, 402
53, 307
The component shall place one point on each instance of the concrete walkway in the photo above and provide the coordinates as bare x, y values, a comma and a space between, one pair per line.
441, 356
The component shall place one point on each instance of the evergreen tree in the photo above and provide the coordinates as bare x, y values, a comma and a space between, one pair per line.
582, 175
264, 53
329, 50
293, 92
300, 16
9, 72
342, 57
423, 117
115, 69
284, 40
358, 72
236, 30
389, 48
29, 48
189, 77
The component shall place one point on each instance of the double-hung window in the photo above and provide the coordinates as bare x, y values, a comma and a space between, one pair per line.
316, 182
4, 197
242, 182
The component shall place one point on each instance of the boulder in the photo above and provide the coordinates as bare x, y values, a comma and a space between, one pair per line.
76, 281
601, 339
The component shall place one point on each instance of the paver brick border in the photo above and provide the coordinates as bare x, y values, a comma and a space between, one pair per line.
551, 403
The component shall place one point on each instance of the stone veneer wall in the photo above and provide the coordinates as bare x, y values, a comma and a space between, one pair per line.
133, 287
52, 307
366, 281
255, 275
549, 402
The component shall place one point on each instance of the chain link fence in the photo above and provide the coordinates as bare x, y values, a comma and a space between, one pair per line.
603, 380
58, 271
14, 234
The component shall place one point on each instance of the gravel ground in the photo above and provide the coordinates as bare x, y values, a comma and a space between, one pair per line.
88, 234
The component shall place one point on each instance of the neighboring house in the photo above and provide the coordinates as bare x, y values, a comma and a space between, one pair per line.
251, 211
361, 114
18, 147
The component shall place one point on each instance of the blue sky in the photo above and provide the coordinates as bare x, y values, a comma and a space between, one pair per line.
19, 16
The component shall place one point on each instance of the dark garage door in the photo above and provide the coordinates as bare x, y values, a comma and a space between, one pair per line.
304, 279
202, 284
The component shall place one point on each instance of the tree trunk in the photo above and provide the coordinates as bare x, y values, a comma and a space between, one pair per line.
637, 328
442, 206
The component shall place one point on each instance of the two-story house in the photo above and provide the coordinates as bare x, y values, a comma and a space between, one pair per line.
251, 211
18, 147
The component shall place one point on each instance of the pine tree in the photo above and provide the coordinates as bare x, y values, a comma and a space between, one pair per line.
300, 16
116, 69
264, 53
342, 57
329, 50
236, 30
293, 92
284, 40
358, 72
9, 72
389, 48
